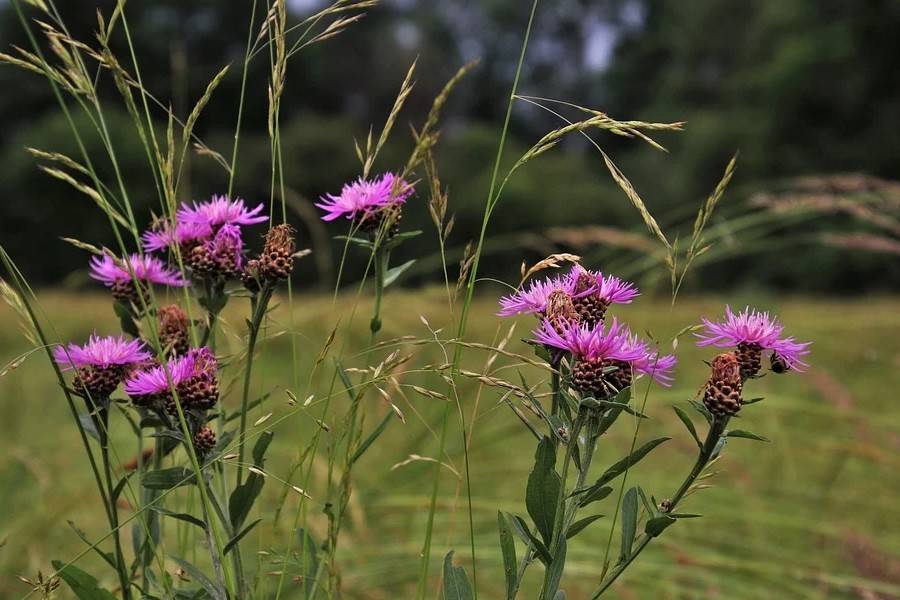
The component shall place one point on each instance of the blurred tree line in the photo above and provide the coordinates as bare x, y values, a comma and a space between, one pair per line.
798, 87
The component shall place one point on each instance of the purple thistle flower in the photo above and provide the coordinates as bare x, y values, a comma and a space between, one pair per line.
650, 363
146, 269
219, 211
608, 289
364, 197
155, 381
226, 249
534, 298
101, 352
589, 343
201, 362
184, 233
755, 329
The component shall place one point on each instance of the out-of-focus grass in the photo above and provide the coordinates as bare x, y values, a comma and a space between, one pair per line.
812, 515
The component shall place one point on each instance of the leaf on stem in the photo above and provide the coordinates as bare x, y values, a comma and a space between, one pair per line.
629, 522
543, 489
689, 424
508, 550
456, 584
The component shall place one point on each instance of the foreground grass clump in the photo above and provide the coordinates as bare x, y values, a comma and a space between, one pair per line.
832, 449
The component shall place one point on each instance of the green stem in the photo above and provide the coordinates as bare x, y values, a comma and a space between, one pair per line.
547, 591
101, 420
381, 265
260, 305
705, 455
464, 315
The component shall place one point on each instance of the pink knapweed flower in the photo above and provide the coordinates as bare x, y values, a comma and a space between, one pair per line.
144, 269
363, 197
101, 352
752, 332
535, 298
219, 211
589, 343
650, 363
164, 236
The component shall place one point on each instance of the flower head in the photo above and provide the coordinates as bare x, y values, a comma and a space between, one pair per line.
101, 352
219, 211
227, 248
185, 233
650, 363
537, 297
608, 289
145, 269
155, 381
590, 343
755, 331
363, 197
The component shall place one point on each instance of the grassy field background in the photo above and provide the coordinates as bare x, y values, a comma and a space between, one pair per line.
812, 515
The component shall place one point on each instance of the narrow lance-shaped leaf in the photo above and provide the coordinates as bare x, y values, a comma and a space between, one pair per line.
629, 461
629, 522
740, 433
243, 496
456, 584
508, 550
372, 437
542, 491
577, 527
689, 424
83, 585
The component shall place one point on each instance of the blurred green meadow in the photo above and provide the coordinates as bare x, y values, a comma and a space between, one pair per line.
814, 514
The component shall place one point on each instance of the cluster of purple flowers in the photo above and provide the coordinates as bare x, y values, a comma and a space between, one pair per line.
208, 235
572, 311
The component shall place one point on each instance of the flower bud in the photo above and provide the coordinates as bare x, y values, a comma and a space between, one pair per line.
173, 329
204, 440
277, 258
722, 394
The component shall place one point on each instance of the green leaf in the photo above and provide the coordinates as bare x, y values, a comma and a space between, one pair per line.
233, 541
542, 491
400, 238
576, 527
456, 584
521, 528
372, 437
658, 524
508, 550
84, 586
752, 401
345, 379
619, 401
593, 494
689, 424
180, 516
629, 522
309, 561
358, 241
629, 461
602, 404
700, 408
109, 558
198, 576
740, 433
555, 568
166, 479
242, 498
393, 273
87, 423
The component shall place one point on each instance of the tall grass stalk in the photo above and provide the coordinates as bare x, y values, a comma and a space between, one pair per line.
463, 320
